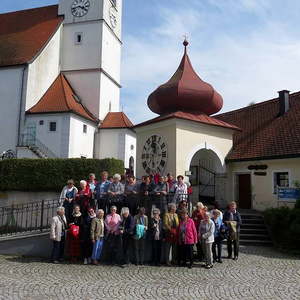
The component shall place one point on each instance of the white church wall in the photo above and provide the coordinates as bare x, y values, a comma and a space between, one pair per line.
94, 13
57, 141
111, 54
130, 148
10, 97
84, 55
81, 143
109, 95
86, 85
108, 141
43, 70
109, 10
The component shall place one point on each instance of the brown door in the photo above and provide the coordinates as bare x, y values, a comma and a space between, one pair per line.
244, 191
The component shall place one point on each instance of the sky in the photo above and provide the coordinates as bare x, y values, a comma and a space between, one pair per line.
247, 49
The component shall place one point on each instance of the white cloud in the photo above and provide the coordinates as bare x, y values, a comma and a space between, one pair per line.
249, 64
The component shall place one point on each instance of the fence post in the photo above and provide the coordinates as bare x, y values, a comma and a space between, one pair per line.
42, 215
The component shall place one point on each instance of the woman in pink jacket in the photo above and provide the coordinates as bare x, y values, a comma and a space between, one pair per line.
187, 235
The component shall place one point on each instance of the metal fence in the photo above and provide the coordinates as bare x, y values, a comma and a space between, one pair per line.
32, 217
36, 217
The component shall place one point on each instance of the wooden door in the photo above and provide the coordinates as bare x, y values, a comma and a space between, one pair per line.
244, 191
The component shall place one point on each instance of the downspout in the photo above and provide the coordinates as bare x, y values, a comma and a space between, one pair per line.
21, 106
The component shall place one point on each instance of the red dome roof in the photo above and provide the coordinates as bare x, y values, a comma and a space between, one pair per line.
185, 91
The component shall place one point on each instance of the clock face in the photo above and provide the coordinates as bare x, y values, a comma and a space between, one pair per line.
154, 155
80, 8
113, 17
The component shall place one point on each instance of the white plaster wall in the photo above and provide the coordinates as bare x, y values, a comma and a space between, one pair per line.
108, 143
99, 9
262, 186
58, 141
10, 97
81, 144
117, 12
109, 93
165, 129
86, 55
111, 54
43, 70
86, 85
184, 139
192, 136
95, 12
130, 140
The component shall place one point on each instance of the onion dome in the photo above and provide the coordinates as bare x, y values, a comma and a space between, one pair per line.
185, 91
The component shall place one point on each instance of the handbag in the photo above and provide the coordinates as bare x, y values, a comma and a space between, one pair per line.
74, 230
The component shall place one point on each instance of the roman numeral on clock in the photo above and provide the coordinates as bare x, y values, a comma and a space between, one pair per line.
144, 165
164, 154
162, 163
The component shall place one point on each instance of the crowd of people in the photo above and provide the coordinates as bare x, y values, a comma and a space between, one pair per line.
112, 221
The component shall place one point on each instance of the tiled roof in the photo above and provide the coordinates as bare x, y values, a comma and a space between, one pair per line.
265, 134
24, 33
196, 117
116, 120
60, 97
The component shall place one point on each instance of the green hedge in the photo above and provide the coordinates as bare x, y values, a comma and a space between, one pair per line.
284, 226
51, 174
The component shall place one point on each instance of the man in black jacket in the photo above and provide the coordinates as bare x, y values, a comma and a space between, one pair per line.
233, 221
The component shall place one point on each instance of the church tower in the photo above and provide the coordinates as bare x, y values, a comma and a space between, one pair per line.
91, 52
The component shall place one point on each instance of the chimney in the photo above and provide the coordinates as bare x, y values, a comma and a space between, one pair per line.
284, 102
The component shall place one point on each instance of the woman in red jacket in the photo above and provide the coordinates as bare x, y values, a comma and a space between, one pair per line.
187, 237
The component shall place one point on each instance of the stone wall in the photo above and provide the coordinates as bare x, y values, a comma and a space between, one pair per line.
15, 197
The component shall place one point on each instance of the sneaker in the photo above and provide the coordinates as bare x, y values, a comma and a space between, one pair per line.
89, 260
208, 266
56, 262
235, 258
85, 261
219, 261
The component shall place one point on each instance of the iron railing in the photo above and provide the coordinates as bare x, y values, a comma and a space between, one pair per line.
32, 217
34, 144
35, 217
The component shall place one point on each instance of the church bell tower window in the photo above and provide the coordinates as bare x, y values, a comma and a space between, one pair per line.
78, 38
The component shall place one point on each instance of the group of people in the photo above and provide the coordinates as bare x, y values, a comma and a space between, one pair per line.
123, 191
119, 236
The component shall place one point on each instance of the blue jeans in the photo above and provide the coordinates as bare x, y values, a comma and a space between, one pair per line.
97, 249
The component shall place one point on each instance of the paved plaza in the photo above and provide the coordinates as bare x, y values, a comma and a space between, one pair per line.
260, 273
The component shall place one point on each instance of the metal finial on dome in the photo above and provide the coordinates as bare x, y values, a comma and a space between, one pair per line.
185, 43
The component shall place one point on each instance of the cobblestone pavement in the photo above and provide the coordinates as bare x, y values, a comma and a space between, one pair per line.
260, 273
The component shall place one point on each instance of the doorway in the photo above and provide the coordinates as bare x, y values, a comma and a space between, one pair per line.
244, 196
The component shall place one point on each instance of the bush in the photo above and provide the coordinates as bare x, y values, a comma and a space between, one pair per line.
297, 204
284, 226
51, 174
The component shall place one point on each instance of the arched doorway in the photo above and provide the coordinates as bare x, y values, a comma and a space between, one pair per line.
208, 177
